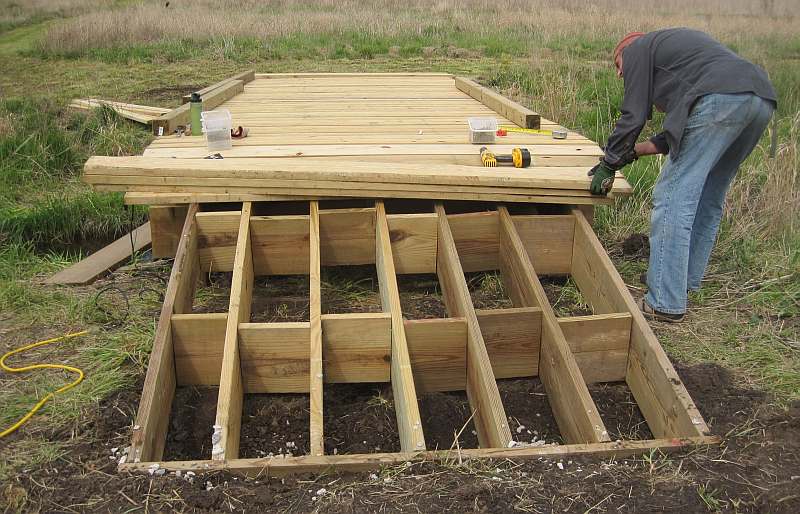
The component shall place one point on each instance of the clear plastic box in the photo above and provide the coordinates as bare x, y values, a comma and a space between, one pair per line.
217, 126
482, 130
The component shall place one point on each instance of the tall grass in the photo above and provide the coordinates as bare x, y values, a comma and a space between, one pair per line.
249, 29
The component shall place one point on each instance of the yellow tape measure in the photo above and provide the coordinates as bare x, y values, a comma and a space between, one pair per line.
557, 134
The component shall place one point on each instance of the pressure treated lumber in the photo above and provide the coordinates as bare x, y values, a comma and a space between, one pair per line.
89, 269
225, 438
484, 398
245, 77
281, 466
409, 424
152, 418
167, 123
315, 318
572, 405
659, 392
517, 113
166, 223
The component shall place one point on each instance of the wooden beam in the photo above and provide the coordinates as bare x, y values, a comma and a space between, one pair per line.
245, 77
573, 408
414, 239
512, 338
317, 446
281, 466
409, 424
515, 112
104, 260
198, 341
166, 223
489, 416
166, 124
600, 345
347, 236
152, 419
662, 397
356, 347
438, 352
225, 438
275, 357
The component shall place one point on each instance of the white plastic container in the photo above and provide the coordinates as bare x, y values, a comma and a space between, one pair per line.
482, 130
217, 126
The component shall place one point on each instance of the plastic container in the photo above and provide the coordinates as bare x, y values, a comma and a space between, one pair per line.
482, 130
217, 126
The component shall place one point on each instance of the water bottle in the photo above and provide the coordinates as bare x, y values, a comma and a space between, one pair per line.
195, 108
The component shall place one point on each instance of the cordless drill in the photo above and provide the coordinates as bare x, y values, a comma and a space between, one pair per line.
520, 158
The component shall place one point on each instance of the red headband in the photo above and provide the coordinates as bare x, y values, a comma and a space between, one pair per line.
628, 39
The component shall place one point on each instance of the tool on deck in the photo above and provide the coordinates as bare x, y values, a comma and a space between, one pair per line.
520, 158
556, 133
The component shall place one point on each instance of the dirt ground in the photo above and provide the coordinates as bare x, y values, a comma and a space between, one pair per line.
755, 469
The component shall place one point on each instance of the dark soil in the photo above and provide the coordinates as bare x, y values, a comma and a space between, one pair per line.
350, 289
359, 418
755, 469
561, 293
274, 424
191, 423
421, 297
443, 416
619, 411
636, 245
280, 299
529, 415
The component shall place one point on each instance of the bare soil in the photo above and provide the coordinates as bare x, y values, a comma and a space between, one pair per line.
755, 469
191, 422
280, 299
421, 297
529, 415
445, 415
274, 424
359, 418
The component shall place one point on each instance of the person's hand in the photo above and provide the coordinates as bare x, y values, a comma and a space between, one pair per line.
602, 179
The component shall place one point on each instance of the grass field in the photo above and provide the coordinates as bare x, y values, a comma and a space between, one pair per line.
551, 56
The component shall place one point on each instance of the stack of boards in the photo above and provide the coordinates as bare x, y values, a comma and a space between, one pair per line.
323, 136
139, 113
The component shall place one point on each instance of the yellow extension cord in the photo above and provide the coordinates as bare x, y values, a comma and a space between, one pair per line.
24, 419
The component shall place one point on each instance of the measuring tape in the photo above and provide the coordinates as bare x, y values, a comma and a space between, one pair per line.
557, 134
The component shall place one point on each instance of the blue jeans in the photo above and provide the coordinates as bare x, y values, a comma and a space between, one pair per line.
689, 195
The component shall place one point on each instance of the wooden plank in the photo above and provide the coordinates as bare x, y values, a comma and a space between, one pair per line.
225, 438
198, 341
280, 245
275, 357
100, 262
343, 171
280, 466
347, 236
512, 338
662, 397
438, 352
245, 77
152, 198
477, 239
152, 418
414, 239
548, 241
166, 223
409, 424
316, 443
517, 113
600, 345
167, 123
356, 347
573, 408
489, 416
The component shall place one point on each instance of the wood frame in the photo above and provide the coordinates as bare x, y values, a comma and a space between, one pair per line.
468, 351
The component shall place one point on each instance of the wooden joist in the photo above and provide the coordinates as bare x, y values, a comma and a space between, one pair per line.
245, 77
515, 112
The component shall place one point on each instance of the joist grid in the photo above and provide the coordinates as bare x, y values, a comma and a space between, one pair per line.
468, 351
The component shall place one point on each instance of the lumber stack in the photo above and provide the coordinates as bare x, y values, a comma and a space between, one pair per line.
341, 178
139, 113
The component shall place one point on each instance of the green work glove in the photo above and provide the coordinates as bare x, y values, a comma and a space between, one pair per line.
602, 179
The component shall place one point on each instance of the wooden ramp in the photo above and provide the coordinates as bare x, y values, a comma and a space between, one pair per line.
469, 350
